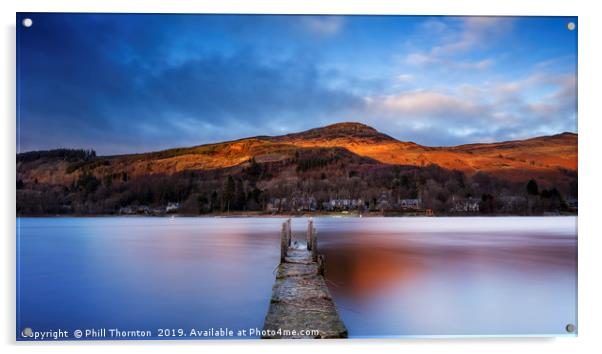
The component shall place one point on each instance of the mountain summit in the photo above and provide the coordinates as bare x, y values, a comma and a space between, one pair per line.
346, 130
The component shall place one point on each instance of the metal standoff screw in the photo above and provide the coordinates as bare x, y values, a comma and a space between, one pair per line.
570, 26
26, 332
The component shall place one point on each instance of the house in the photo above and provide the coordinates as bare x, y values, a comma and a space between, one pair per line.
383, 202
465, 205
342, 204
172, 207
276, 204
303, 203
511, 203
413, 204
127, 210
572, 203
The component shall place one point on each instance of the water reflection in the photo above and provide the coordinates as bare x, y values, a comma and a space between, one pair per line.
427, 281
360, 272
389, 276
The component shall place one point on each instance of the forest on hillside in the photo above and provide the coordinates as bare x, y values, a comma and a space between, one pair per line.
310, 180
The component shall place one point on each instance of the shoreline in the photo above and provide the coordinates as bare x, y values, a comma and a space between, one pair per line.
290, 215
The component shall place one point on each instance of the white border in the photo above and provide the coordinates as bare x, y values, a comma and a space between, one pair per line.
590, 250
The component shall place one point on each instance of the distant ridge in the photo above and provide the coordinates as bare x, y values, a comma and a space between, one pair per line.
545, 156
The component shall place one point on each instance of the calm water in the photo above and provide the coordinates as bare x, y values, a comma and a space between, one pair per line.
389, 276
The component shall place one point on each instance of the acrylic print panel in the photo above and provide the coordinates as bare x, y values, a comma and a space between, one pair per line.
262, 176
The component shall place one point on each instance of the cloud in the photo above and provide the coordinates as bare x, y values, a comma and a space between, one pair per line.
405, 77
155, 82
472, 33
324, 25
487, 112
142, 103
561, 102
475, 31
433, 26
477, 65
426, 104
200, 101
421, 59
425, 60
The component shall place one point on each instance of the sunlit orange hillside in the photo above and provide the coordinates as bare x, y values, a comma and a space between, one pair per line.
544, 156
550, 158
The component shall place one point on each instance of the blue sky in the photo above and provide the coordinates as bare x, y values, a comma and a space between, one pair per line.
122, 83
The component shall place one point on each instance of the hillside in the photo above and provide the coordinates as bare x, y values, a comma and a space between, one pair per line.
338, 153
545, 157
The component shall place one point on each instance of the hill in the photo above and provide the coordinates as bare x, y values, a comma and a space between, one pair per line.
341, 154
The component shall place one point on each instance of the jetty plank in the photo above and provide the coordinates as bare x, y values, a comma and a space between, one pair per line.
301, 305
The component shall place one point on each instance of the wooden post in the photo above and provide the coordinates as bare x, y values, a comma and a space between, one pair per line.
310, 226
297, 291
283, 243
321, 264
314, 244
289, 232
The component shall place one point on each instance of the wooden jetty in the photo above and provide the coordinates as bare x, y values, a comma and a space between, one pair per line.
301, 305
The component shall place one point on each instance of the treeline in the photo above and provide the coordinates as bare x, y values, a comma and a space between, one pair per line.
547, 199
308, 180
70, 155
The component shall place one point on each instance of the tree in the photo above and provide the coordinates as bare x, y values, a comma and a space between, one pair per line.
213, 205
532, 194
532, 188
88, 183
254, 170
487, 203
201, 200
253, 199
229, 194
240, 199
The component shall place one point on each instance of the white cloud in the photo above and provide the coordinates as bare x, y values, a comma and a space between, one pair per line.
405, 77
564, 86
324, 25
538, 104
477, 65
561, 102
421, 59
416, 104
433, 25
474, 32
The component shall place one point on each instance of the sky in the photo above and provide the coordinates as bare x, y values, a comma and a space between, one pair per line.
124, 83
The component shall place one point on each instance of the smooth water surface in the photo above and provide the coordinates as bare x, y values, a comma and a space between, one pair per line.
388, 276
